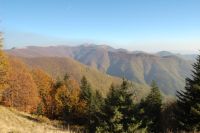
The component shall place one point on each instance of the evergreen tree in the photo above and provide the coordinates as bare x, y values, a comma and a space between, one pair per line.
94, 101
150, 110
188, 112
86, 91
95, 111
118, 114
168, 119
98, 100
66, 77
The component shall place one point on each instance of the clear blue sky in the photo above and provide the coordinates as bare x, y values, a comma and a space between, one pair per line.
149, 25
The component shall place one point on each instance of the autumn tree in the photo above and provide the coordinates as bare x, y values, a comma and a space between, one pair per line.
61, 100
68, 103
44, 85
3, 67
22, 91
77, 105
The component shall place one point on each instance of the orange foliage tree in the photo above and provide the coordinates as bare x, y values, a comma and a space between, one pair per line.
44, 85
22, 91
3, 67
68, 102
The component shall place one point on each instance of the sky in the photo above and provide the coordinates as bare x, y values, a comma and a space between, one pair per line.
148, 25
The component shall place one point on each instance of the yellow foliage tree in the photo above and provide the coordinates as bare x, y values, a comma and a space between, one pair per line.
44, 85
61, 99
22, 91
3, 67
68, 102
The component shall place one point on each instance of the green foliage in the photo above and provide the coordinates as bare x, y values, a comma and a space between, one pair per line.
117, 113
168, 118
149, 110
66, 77
94, 102
188, 112
39, 110
86, 91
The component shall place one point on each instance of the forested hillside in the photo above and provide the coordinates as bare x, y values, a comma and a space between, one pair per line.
57, 67
79, 98
169, 70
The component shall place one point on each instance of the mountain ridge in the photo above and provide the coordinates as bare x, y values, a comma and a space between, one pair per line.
169, 70
108, 48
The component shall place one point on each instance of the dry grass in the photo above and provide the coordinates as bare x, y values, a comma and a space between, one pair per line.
12, 121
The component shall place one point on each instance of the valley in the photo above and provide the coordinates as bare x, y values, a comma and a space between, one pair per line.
167, 69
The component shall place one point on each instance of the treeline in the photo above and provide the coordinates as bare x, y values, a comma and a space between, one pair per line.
34, 91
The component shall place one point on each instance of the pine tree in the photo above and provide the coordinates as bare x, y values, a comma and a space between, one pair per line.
86, 91
168, 119
95, 110
94, 102
111, 117
118, 114
188, 112
150, 110
98, 101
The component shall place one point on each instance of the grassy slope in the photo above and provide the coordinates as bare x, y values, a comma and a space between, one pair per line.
12, 121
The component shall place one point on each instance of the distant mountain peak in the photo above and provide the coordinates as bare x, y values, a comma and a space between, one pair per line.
137, 66
164, 53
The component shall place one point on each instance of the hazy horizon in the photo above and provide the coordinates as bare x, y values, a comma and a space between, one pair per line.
96, 44
149, 26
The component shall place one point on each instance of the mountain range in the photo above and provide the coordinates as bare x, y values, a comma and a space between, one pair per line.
169, 70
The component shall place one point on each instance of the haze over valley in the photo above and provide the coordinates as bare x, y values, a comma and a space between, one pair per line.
169, 70
99, 66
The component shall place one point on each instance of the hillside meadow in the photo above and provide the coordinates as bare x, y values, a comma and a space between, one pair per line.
13, 121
